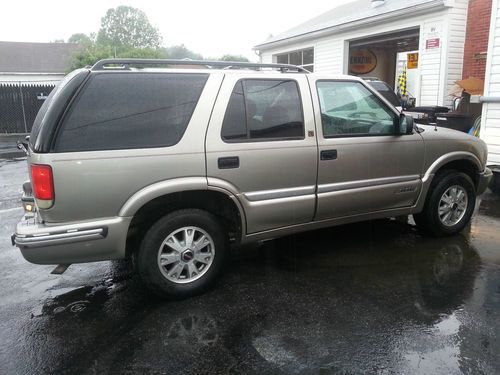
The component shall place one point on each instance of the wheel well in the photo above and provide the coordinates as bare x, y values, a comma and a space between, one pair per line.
217, 203
463, 165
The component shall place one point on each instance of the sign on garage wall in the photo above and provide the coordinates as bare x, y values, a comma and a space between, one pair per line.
432, 43
433, 32
362, 61
412, 61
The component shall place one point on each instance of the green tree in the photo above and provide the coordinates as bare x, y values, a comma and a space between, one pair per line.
89, 55
233, 58
81, 38
126, 27
182, 52
124, 32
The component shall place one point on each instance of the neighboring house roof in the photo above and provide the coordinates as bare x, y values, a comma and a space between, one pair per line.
21, 57
351, 15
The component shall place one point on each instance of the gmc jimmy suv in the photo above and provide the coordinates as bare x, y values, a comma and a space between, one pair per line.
169, 161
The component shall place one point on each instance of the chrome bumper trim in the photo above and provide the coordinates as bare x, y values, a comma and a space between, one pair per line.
59, 238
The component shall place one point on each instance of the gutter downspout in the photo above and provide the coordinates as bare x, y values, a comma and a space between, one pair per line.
489, 99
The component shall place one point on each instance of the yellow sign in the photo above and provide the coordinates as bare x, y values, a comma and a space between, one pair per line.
412, 62
362, 61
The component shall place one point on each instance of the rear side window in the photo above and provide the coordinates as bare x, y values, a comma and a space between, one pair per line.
131, 110
263, 110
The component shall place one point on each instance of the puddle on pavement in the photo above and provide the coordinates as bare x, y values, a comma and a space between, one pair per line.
84, 299
369, 297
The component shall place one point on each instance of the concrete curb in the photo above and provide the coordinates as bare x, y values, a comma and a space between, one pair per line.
12, 155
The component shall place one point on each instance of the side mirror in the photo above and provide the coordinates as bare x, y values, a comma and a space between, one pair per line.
405, 125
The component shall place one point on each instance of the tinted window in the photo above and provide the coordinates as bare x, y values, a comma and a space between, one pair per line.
131, 110
263, 109
349, 108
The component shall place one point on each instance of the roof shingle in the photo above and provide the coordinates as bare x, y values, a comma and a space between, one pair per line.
344, 14
22, 57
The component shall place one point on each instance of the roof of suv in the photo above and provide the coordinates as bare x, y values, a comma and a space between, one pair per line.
125, 64
204, 66
47, 123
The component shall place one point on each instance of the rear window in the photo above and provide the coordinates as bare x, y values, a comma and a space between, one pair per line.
131, 110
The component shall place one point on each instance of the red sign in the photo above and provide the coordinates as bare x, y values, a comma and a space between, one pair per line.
432, 43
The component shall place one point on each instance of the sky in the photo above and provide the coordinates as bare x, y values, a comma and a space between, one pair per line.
212, 28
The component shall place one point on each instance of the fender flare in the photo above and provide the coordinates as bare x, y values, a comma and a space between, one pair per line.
161, 188
434, 167
449, 157
158, 189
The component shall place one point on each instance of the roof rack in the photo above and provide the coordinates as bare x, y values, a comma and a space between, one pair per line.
124, 64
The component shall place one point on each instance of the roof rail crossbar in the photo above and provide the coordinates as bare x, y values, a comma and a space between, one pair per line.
124, 64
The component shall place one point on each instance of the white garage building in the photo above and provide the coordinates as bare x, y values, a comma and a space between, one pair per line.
490, 121
375, 38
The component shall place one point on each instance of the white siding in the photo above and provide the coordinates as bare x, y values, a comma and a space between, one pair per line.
457, 22
439, 68
431, 63
490, 121
329, 56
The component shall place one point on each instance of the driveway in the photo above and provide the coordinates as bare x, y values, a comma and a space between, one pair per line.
374, 297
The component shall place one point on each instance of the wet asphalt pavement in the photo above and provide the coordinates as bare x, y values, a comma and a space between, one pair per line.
373, 297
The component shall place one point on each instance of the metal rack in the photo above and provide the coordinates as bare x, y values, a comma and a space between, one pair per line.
124, 64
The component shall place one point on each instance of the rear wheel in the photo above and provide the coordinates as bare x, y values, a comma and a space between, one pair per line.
182, 253
449, 205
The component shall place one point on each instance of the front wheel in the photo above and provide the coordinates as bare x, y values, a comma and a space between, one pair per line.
182, 253
449, 205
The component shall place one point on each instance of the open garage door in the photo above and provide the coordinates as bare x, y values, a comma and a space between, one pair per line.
384, 56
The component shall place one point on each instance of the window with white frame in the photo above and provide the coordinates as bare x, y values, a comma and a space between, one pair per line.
303, 58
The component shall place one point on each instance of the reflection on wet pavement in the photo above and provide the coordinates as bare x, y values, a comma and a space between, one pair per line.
374, 297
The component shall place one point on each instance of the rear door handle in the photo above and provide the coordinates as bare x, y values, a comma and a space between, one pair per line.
228, 162
328, 155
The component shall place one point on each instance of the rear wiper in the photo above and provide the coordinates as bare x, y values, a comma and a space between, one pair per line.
23, 145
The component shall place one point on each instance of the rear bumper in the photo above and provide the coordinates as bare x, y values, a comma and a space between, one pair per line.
79, 242
484, 180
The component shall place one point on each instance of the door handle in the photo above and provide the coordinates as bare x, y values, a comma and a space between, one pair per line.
228, 162
328, 155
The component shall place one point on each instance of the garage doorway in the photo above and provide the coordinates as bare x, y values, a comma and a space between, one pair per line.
384, 56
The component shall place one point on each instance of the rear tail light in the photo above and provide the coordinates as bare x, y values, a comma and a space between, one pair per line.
43, 184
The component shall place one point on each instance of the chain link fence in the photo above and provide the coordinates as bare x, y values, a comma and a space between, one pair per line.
19, 104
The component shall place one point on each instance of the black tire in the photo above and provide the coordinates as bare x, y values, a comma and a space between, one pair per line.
147, 258
428, 220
